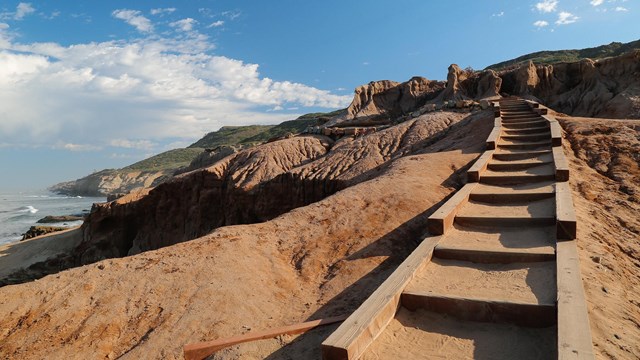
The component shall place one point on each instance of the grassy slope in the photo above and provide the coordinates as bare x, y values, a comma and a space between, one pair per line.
549, 57
255, 134
167, 160
226, 135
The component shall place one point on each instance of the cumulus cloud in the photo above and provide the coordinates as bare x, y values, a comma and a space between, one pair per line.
547, 6
22, 10
500, 14
216, 24
134, 18
77, 147
133, 144
184, 24
565, 18
136, 94
621, 9
161, 11
540, 23
597, 2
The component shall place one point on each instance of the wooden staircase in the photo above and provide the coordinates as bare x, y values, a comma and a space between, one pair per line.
502, 251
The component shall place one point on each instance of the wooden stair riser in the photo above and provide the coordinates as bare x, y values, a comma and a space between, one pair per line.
524, 146
507, 222
510, 198
524, 131
525, 124
515, 180
507, 156
490, 257
530, 315
526, 137
515, 166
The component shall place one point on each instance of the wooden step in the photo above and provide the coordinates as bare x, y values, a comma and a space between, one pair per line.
523, 145
525, 124
543, 135
481, 309
519, 117
532, 283
510, 155
516, 177
498, 166
512, 193
539, 212
531, 130
494, 244
424, 334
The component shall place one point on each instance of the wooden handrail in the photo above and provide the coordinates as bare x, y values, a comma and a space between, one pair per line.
198, 351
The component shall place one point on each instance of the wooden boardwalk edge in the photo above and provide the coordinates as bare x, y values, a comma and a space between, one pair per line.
198, 351
574, 331
360, 329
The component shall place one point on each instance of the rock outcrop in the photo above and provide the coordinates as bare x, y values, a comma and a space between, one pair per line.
607, 88
379, 101
468, 84
107, 182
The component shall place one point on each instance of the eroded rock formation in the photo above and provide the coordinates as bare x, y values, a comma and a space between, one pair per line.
608, 88
379, 101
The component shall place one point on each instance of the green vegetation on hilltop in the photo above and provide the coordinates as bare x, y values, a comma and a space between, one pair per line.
167, 160
230, 135
550, 57
256, 134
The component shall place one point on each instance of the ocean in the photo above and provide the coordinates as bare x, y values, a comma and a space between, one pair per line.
19, 211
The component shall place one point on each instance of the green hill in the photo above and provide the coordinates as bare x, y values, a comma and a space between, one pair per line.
550, 57
167, 160
256, 134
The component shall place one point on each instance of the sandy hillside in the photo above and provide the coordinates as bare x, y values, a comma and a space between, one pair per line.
315, 261
604, 158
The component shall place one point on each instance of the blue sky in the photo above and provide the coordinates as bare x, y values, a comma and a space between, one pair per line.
103, 84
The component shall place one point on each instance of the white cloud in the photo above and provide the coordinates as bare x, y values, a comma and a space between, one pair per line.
501, 13
540, 23
565, 18
134, 18
232, 15
365, 63
22, 10
596, 2
133, 144
136, 94
620, 8
4, 26
161, 11
216, 24
184, 24
76, 147
547, 6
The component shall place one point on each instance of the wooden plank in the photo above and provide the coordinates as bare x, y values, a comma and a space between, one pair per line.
560, 164
497, 121
556, 130
493, 138
532, 104
198, 351
441, 221
574, 332
360, 329
485, 310
473, 174
541, 110
565, 213
493, 257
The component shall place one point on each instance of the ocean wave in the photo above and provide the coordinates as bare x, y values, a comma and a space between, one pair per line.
27, 209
